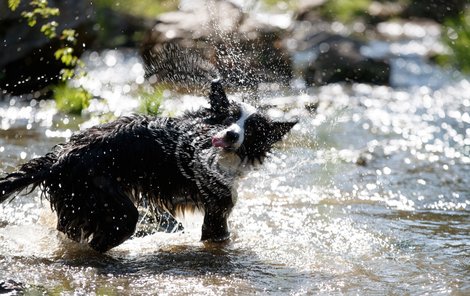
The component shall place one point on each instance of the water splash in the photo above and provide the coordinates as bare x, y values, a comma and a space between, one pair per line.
179, 67
357, 200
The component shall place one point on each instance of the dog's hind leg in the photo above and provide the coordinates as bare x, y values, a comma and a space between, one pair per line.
100, 213
117, 217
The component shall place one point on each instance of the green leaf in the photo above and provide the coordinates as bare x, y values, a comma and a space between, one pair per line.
69, 35
65, 54
66, 74
49, 29
13, 4
30, 17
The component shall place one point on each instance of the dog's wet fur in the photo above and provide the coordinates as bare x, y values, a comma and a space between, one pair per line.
95, 181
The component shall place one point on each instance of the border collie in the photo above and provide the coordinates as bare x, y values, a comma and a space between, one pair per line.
95, 181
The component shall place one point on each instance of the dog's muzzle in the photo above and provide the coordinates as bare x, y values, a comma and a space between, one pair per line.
227, 139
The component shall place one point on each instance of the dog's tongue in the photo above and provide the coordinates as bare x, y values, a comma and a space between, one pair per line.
218, 142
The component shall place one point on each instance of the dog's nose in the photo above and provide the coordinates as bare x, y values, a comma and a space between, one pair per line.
231, 136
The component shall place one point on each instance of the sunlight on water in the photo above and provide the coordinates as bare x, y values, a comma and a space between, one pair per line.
25, 116
115, 76
368, 195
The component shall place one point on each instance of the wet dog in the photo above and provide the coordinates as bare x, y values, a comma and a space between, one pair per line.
95, 181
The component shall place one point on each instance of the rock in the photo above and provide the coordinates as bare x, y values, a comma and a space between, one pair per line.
120, 29
309, 9
245, 51
438, 10
27, 61
384, 11
339, 58
11, 287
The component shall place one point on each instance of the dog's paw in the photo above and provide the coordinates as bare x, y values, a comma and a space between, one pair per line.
217, 242
216, 239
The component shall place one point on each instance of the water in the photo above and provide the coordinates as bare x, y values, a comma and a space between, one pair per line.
370, 195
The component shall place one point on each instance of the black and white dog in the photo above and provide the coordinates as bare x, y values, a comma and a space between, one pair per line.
95, 180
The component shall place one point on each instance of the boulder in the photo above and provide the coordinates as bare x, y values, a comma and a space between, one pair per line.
339, 58
244, 50
27, 61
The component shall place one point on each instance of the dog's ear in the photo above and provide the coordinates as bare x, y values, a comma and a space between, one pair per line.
217, 98
279, 129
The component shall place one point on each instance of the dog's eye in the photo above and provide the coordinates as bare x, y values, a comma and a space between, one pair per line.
231, 118
228, 121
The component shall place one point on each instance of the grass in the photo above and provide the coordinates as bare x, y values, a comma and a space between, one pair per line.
71, 100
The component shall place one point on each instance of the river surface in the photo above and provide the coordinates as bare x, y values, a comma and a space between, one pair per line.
369, 194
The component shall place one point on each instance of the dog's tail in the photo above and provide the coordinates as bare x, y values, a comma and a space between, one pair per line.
32, 173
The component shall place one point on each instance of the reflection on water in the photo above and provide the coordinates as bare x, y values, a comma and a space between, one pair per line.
368, 196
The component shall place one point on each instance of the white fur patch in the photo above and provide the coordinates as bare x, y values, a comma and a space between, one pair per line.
247, 111
239, 126
232, 164
229, 162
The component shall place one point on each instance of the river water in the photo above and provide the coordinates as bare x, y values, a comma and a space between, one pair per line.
368, 195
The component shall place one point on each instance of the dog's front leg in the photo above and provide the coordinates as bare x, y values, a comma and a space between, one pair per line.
215, 228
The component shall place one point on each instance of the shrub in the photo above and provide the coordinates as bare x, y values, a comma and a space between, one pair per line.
345, 10
71, 100
456, 35
151, 102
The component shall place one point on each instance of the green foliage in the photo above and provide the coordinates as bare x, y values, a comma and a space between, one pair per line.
65, 55
68, 37
145, 8
71, 100
40, 9
280, 5
151, 102
49, 29
13, 4
345, 10
456, 35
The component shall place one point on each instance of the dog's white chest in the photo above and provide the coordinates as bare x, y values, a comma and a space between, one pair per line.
229, 163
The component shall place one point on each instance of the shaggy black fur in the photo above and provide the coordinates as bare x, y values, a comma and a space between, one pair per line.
95, 180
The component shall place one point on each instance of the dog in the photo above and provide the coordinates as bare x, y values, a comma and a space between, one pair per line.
95, 180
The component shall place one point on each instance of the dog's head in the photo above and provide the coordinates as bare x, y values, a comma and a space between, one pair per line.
244, 130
